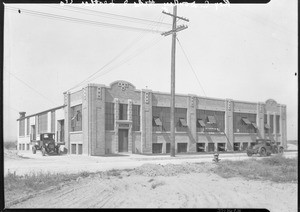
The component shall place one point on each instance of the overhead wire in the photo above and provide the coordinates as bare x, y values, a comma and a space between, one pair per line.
77, 20
30, 87
152, 43
93, 76
191, 66
107, 15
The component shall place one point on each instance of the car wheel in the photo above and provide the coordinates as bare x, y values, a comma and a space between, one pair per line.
281, 150
275, 150
33, 150
249, 153
263, 152
43, 151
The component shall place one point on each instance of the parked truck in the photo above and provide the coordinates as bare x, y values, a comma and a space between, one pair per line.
46, 144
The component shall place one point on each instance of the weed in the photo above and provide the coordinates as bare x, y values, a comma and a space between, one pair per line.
276, 168
149, 181
158, 183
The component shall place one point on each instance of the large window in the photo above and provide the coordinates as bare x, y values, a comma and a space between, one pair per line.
76, 118
244, 123
210, 121
43, 123
136, 118
161, 118
271, 123
180, 119
109, 116
123, 111
52, 121
22, 127
27, 126
277, 124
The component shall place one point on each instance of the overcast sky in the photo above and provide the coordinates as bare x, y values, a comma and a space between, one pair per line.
242, 52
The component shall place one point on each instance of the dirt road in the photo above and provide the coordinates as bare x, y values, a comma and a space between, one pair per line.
196, 190
76, 163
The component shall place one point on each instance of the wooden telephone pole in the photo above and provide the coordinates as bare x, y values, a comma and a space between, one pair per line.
173, 52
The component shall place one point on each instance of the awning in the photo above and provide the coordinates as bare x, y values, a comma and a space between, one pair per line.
183, 122
246, 121
211, 119
254, 125
201, 122
157, 122
267, 126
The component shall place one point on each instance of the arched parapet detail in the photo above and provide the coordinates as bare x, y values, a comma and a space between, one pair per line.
122, 84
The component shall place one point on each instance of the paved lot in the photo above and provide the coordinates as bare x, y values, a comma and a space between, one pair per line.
76, 163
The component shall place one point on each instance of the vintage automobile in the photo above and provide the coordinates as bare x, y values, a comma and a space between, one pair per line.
46, 144
264, 147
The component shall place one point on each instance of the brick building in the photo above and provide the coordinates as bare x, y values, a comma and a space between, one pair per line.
99, 119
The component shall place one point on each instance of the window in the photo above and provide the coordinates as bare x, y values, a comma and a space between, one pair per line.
277, 124
123, 111
42, 123
180, 119
161, 118
52, 121
79, 149
156, 148
210, 121
27, 146
22, 127
73, 148
27, 126
200, 147
181, 147
271, 123
76, 118
109, 116
244, 123
136, 118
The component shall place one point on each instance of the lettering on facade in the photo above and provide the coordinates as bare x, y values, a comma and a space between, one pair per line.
99, 93
123, 125
123, 85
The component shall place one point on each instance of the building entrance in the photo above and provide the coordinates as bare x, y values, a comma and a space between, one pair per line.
123, 140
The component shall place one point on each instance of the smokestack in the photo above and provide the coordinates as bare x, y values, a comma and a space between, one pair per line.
22, 114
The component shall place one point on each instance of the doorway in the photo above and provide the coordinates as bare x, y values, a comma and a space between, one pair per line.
61, 130
123, 140
33, 133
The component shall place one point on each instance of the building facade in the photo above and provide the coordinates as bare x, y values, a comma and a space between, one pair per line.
99, 120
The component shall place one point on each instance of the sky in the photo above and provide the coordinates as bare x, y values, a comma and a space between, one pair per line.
241, 52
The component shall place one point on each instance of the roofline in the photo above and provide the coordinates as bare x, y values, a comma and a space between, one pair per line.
42, 112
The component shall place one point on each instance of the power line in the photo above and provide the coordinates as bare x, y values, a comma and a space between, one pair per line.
31, 87
77, 20
191, 66
90, 78
105, 14
152, 44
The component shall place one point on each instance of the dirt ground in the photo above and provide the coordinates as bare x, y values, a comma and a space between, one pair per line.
148, 186
194, 190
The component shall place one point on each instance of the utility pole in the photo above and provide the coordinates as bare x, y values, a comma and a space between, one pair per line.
173, 53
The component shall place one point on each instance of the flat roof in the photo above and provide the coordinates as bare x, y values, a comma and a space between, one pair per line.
56, 108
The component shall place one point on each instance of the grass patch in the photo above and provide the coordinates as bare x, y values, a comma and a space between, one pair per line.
276, 168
